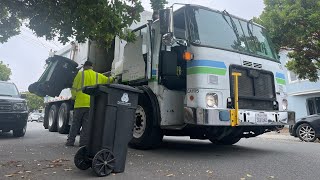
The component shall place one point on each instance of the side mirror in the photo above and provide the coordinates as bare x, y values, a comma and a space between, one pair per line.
168, 39
166, 21
23, 96
166, 26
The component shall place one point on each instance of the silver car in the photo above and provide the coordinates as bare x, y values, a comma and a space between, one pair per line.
38, 117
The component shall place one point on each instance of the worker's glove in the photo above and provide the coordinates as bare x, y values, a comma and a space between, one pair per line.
116, 78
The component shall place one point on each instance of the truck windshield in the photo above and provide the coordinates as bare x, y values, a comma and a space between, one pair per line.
8, 89
220, 30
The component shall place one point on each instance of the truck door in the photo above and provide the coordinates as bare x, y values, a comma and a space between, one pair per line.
137, 57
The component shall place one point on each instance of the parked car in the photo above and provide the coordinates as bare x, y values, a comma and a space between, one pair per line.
13, 109
307, 128
36, 117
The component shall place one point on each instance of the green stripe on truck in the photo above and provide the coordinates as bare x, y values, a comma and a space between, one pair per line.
206, 70
281, 81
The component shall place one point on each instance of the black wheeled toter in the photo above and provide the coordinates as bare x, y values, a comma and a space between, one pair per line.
112, 116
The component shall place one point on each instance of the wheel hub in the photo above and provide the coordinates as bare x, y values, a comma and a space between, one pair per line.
307, 133
51, 114
61, 117
140, 122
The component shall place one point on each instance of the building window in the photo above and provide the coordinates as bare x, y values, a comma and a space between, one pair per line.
292, 76
313, 105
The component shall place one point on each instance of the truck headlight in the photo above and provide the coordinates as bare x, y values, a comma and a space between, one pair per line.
212, 100
19, 107
285, 104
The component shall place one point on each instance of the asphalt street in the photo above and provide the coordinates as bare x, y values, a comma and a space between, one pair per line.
42, 155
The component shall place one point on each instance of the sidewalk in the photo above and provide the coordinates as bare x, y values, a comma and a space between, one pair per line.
283, 135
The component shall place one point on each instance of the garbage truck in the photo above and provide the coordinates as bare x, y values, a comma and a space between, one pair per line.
205, 74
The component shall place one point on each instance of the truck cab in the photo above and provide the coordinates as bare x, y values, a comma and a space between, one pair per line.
186, 61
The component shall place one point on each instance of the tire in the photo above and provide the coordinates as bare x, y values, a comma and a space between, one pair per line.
52, 118
20, 132
305, 132
40, 119
227, 140
146, 133
81, 159
291, 130
103, 163
45, 118
63, 119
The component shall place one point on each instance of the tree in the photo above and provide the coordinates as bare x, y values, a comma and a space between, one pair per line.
98, 20
34, 102
295, 24
156, 5
5, 71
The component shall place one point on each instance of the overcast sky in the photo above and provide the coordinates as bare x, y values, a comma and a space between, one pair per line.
26, 53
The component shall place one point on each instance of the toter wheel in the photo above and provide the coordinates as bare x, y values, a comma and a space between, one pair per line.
103, 163
81, 159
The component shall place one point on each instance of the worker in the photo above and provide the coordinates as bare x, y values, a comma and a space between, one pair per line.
87, 77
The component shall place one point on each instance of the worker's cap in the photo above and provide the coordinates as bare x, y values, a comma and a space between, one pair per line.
88, 63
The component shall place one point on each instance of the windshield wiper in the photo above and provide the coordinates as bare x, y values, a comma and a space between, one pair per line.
233, 25
6, 95
251, 34
193, 28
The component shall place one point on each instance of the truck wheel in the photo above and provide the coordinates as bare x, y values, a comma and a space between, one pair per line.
46, 117
146, 133
227, 140
20, 132
63, 119
52, 119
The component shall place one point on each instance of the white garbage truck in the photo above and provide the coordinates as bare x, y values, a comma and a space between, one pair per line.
205, 74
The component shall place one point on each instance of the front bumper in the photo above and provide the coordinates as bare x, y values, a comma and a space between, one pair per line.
221, 117
13, 120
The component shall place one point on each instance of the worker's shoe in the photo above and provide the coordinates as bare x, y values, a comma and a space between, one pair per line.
69, 143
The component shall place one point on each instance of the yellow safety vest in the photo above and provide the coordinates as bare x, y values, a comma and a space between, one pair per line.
86, 78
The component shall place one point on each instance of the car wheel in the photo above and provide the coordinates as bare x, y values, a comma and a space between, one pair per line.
20, 132
52, 119
306, 133
63, 116
146, 135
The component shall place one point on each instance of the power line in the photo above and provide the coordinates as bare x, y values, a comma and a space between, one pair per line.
26, 39
51, 44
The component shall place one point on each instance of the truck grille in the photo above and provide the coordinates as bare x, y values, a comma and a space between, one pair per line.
5, 107
256, 88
